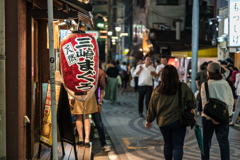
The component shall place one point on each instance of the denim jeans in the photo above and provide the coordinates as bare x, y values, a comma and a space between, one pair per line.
173, 135
99, 124
222, 131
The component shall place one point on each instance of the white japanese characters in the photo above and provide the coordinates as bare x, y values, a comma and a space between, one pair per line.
234, 23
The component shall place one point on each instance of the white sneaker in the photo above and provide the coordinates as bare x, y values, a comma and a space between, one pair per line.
106, 148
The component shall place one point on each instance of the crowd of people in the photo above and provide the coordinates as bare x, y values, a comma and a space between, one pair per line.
222, 79
231, 75
160, 85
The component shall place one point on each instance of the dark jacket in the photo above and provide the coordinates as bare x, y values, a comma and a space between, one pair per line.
201, 77
166, 108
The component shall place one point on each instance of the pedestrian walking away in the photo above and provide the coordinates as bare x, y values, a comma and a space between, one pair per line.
97, 118
201, 78
237, 107
164, 106
216, 86
77, 110
111, 89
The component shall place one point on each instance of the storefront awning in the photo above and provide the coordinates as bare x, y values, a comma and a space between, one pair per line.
85, 11
209, 52
65, 9
80, 6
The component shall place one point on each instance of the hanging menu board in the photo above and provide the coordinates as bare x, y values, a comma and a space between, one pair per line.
234, 23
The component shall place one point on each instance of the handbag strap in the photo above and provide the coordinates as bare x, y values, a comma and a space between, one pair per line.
180, 96
207, 90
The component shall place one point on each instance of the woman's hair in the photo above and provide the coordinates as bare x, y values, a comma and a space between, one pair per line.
169, 81
215, 76
236, 69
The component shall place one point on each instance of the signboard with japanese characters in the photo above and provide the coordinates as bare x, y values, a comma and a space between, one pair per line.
234, 23
79, 65
46, 132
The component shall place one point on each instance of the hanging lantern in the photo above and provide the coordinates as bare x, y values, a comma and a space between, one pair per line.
173, 62
79, 65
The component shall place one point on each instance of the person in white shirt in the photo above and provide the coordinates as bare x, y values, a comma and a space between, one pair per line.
135, 77
218, 89
160, 68
237, 108
145, 73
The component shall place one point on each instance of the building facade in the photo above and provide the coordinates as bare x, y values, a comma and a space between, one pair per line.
170, 24
24, 69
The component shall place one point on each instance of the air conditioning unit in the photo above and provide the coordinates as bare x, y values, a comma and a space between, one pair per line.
223, 44
174, 23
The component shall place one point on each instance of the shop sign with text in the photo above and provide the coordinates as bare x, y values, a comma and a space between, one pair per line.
234, 23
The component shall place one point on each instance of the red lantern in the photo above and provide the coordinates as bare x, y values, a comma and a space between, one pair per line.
79, 65
173, 62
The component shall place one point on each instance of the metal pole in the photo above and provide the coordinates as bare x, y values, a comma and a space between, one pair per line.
123, 29
118, 40
186, 69
109, 29
52, 80
2, 82
195, 30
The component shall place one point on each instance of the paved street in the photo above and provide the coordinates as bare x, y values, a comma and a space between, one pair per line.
134, 142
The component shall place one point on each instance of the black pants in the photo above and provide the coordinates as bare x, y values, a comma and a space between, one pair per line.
136, 83
144, 90
221, 131
125, 81
200, 102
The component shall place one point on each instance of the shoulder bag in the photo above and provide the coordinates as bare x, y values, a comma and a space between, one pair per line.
215, 108
186, 117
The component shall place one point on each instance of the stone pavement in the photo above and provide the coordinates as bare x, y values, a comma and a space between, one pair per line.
133, 141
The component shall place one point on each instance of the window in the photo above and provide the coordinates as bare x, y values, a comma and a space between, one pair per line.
167, 2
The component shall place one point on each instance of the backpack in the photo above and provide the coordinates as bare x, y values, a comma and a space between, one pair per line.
215, 108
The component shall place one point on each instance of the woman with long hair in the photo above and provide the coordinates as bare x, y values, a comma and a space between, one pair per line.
111, 88
164, 105
218, 89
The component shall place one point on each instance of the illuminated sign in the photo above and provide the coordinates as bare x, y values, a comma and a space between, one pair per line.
124, 34
95, 34
100, 25
234, 23
125, 52
113, 37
